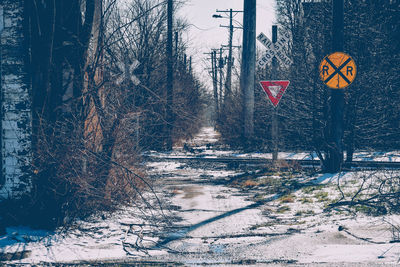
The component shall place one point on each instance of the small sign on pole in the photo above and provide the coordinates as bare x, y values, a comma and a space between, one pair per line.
274, 90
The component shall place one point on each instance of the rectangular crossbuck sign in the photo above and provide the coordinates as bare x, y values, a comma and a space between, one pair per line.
127, 72
266, 58
273, 50
284, 38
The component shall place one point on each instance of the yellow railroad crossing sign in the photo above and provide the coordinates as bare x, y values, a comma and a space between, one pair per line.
337, 70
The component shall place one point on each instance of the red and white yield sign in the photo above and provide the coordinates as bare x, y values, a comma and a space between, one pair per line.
274, 90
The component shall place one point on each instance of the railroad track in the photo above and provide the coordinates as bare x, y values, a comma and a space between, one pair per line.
294, 162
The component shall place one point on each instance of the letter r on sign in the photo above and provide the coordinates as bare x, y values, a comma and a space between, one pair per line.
349, 69
325, 69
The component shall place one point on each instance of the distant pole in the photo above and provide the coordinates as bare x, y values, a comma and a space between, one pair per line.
228, 83
220, 65
337, 95
190, 65
214, 79
228, 80
176, 45
137, 130
170, 82
216, 82
247, 70
274, 126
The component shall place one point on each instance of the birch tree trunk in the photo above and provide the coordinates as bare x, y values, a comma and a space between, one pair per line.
16, 117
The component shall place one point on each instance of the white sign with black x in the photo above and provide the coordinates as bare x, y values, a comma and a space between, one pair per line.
277, 50
127, 72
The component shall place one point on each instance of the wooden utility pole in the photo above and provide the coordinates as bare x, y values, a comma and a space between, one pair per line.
217, 63
217, 100
228, 83
221, 67
170, 82
228, 80
176, 45
190, 64
274, 126
335, 156
214, 79
247, 70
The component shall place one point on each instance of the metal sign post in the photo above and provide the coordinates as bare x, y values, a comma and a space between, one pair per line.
276, 50
274, 126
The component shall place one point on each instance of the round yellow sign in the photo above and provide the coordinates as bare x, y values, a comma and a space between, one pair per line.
337, 70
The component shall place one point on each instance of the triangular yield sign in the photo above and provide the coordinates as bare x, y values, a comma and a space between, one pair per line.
274, 90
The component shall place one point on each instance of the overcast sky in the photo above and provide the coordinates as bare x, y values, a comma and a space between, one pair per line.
205, 32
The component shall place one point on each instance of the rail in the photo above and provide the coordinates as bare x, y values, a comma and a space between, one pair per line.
303, 163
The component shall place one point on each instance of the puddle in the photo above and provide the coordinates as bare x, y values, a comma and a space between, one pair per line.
15, 255
217, 248
192, 191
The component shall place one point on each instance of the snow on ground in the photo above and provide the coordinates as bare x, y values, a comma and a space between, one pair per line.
207, 136
94, 240
210, 216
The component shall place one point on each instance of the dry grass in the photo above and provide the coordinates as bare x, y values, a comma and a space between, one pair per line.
249, 183
287, 199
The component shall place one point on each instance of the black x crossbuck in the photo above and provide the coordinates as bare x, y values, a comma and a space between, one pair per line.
337, 70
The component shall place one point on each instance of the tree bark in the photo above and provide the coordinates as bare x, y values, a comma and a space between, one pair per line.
16, 119
335, 151
170, 82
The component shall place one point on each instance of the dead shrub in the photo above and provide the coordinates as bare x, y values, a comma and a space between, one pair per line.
74, 180
377, 193
249, 183
284, 165
229, 121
